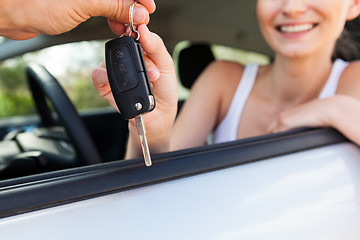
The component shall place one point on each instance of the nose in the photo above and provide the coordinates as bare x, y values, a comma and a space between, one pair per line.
293, 8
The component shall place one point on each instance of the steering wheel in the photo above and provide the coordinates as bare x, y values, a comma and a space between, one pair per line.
42, 84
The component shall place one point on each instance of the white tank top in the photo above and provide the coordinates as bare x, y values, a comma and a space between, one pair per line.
228, 128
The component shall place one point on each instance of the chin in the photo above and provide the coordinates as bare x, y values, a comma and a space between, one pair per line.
295, 52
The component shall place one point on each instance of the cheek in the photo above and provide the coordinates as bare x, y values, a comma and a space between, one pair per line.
266, 12
260, 10
334, 12
334, 24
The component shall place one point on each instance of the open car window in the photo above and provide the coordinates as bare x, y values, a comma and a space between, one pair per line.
70, 63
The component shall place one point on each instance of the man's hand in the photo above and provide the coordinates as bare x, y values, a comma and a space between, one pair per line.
24, 19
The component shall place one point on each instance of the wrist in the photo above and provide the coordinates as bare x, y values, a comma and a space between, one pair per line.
337, 109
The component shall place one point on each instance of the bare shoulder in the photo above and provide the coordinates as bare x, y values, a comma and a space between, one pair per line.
215, 87
353, 68
349, 83
225, 64
205, 103
219, 79
221, 74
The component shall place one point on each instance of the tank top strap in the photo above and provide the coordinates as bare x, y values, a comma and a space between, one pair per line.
227, 129
331, 85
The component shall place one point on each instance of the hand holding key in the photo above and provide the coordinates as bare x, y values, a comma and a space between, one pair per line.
162, 76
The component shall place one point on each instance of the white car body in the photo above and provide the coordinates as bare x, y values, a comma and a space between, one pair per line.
313, 194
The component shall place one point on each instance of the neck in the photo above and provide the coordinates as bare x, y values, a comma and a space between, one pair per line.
297, 80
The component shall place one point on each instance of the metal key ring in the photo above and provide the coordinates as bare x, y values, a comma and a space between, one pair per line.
131, 15
137, 34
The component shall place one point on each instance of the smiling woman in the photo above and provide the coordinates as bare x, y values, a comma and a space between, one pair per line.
235, 101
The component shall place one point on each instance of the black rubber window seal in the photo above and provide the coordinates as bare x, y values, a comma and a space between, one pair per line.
66, 186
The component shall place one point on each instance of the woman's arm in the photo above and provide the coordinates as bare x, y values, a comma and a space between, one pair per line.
207, 104
340, 112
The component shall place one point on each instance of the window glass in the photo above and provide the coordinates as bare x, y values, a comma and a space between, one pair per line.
71, 64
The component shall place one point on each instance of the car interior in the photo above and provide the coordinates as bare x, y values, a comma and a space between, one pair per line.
61, 137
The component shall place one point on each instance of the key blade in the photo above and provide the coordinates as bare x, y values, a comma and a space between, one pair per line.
142, 134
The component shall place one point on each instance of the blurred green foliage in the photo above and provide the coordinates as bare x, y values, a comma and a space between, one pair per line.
15, 96
82, 93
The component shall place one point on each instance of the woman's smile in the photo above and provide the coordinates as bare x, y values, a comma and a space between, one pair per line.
295, 28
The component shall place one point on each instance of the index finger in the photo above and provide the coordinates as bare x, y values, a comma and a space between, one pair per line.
118, 10
154, 48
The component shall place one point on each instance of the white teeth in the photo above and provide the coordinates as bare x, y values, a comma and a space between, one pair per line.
296, 28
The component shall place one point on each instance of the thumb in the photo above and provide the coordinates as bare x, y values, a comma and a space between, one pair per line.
118, 10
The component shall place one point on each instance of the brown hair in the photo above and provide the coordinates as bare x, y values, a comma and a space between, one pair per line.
346, 46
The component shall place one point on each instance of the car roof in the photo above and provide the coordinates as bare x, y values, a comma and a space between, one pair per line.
230, 23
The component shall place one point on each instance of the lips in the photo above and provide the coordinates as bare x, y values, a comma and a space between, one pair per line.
296, 28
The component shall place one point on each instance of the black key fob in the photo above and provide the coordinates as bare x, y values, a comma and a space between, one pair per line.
128, 77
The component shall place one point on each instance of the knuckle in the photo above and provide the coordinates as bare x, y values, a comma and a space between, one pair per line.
95, 74
119, 10
98, 75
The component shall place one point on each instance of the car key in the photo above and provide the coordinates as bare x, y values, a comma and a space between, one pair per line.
130, 82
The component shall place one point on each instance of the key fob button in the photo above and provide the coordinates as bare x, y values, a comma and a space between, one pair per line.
123, 70
128, 77
121, 52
